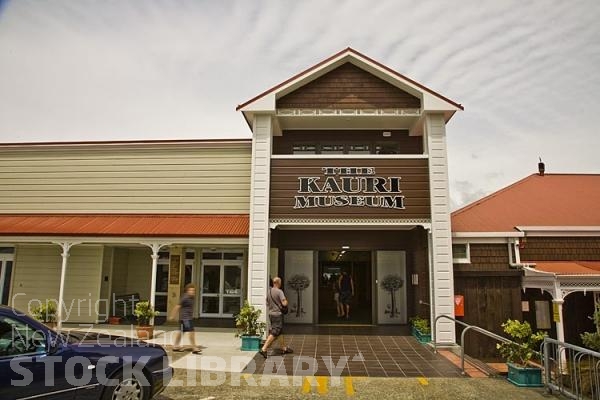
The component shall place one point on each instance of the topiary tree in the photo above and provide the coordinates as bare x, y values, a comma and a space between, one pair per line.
299, 283
392, 283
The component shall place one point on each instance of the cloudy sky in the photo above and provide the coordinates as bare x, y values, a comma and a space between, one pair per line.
527, 72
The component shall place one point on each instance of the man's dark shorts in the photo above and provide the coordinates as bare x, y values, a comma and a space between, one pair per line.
187, 325
345, 297
276, 328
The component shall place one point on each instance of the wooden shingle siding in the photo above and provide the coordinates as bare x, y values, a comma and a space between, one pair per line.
414, 186
348, 87
406, 144
561, 249
103, 179
486, 257
37, 277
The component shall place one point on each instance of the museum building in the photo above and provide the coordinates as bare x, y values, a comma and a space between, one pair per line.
346, 170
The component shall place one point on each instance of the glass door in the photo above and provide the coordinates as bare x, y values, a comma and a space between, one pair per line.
6, 267
221, 284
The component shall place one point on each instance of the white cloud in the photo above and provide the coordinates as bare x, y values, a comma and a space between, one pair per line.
95, 70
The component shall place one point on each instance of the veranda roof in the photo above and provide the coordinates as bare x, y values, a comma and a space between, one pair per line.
188, 225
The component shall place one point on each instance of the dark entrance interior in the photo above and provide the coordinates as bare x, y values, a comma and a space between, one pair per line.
358, 265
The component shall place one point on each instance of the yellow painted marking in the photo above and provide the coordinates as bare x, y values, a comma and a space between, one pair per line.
423, 381
306, 386
349, 386
322, 384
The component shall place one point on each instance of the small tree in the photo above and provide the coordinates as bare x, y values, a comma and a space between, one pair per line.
524, 343
591, 340
46, 312
247, 321
421, 324
144, 313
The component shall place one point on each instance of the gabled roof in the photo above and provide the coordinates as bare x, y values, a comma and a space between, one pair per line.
551, 200
346, 55
165, 225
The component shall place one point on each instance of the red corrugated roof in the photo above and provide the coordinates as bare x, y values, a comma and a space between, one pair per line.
193, 225
549, 200
569, 267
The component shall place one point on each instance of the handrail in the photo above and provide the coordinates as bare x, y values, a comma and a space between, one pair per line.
462, 337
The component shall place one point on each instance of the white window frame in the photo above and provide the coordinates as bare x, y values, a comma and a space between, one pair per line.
4, 259
221, 295
464, 260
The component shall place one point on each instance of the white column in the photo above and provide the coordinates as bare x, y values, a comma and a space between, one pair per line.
441, 240
66, 246
258, 247
155, 247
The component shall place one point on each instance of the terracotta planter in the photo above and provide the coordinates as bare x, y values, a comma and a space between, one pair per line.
145, 332
114, 320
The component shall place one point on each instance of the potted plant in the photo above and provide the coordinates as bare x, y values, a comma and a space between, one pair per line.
46, 313
250, 328
144, 313
591, 340
519, 352
420, 329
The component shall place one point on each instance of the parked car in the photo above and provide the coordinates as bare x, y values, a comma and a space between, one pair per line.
38, 362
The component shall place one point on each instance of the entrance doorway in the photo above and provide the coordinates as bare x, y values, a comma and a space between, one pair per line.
357, 264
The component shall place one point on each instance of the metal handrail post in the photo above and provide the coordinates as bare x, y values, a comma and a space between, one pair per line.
462, 337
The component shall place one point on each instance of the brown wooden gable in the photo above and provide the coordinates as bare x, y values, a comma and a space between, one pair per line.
348, 86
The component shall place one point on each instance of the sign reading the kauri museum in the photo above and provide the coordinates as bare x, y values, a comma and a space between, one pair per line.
349, 187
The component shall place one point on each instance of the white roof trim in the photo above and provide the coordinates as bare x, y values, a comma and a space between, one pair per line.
487, 234
560, 230
266, 102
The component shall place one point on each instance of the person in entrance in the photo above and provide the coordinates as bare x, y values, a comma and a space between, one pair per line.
346, 285
185, 310
275, 302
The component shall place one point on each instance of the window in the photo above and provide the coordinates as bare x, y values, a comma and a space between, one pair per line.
386, 148
18, 338
332, 149
359, 149
304, 149
461, 253
542, 314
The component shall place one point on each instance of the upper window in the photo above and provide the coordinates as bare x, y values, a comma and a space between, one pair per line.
304, 149
461, 253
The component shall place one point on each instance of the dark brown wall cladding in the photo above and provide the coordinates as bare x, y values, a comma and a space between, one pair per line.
356, 239
486, 257
419, 294
348, 87
490, 299
560, 249
414, 185
399, 139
